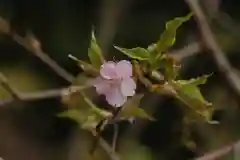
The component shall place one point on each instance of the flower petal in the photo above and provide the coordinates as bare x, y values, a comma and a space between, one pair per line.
128, 87
108, 70
101, 85
115, 97
124, 69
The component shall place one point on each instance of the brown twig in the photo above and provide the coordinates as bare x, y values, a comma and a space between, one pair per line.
219, 56
33, 96
220, 152
187, 51
179, 55
31, 44
112, 154
26, 97
223, 65
12, 90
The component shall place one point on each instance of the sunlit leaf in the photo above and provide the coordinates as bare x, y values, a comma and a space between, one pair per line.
195, 81
85, 112
140, 113
86, 120
168, 37
131, 109
135, 53
73, 114
190, 87
92, 121
189, 92
95, 53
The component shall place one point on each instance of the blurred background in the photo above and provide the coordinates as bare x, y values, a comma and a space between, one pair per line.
31, 130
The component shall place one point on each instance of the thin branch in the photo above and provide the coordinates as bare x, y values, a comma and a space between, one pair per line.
26, 97
33, 96
223, 65
32, 44
220, 152
109, 150
12, 90
187, 51
112, 154
115, 136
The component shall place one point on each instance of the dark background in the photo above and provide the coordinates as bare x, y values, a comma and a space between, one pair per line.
31, 131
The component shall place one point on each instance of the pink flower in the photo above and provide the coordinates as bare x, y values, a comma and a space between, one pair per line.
115, 82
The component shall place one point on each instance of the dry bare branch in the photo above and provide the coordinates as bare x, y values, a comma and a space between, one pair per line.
31, 44
224, 67
12, 90
219, 56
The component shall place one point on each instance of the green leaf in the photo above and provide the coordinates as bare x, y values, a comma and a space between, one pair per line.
86, 120
190, 87
135, 53
84, 112
168, 37
188, 92
131, 109
195, 81
73, 114
140, 113
95, 53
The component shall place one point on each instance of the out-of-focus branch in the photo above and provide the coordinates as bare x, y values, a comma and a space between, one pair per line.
6, 85
111, 14
112, 154
224, 67
219, 152
26, 97
187, 51
33, 96
212, 7
33, 45
219, 56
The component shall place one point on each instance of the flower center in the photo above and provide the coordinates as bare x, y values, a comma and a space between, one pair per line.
115, 82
